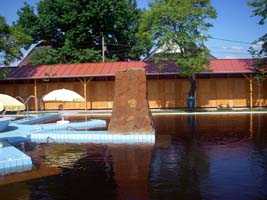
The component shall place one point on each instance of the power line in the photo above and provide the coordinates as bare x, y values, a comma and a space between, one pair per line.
228, 40
229, 52
221, 49
210, 37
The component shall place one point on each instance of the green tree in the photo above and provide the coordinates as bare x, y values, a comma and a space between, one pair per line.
12, 40
260, 55
182, 24
260, 9
73, 29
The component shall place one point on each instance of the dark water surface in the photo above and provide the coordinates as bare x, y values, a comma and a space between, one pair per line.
204, 157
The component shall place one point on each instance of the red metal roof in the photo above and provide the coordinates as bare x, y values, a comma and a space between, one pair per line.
216, 66
231, 66
72, 70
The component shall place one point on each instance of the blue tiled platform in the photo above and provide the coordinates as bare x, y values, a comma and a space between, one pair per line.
13, 160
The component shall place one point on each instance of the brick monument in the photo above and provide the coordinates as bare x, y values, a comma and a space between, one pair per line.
130, 112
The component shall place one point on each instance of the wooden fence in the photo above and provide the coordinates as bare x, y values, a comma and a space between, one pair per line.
162, 93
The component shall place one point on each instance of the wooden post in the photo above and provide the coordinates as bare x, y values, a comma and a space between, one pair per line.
85, 93
35, 96
84, 82
250, 79
196, 93
251, 92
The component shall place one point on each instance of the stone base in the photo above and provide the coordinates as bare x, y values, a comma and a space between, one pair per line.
130, 112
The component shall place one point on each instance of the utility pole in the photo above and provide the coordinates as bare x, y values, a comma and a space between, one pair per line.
103, 48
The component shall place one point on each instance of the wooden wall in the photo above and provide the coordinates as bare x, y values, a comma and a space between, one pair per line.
162, 93
167, 93
223, 92
230, 92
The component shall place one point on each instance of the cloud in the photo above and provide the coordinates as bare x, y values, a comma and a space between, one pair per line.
258, 45
235, 56
230, 57
234, 48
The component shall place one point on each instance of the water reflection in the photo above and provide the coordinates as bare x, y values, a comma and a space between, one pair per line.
91, 175
131, 167
179, 170
196, 157
212, 159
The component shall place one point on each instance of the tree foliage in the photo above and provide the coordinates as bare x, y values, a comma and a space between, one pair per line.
12, 39
181, 23
72, 30
260, 55
260, 9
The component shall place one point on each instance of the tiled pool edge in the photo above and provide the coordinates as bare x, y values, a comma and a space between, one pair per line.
107, 113
99, 137
12, 160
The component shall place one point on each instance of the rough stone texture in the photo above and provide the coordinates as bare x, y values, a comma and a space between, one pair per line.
130, 112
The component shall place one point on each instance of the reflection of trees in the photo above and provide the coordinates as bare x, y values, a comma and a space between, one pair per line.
260, 131
90, 177
177, 172
63, 156
259, 153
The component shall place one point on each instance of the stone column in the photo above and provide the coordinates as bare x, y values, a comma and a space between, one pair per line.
130, 112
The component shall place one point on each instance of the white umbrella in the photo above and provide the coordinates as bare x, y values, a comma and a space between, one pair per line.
63, 95
9, 103
1, 107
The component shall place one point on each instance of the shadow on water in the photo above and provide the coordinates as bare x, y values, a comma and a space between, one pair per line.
10, 128
195, 157
16, 140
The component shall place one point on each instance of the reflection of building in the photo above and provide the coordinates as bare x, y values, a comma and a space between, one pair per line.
208, 127
89, 176
222, 157
177, 172
104, 172
215, 160
62, 156
226, 84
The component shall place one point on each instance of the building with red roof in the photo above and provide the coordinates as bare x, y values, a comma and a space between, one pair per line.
108, 69
227, 83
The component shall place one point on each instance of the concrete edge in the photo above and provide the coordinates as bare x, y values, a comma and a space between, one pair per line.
153, 112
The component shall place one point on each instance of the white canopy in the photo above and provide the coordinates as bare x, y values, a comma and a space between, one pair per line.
9, 103
63, 95
1, 107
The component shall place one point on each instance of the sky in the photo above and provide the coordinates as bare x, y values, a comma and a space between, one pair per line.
234, 22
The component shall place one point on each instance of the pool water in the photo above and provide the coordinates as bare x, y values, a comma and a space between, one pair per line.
194, 157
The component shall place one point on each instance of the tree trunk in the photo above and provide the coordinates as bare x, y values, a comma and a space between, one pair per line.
193, 86
192, 93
